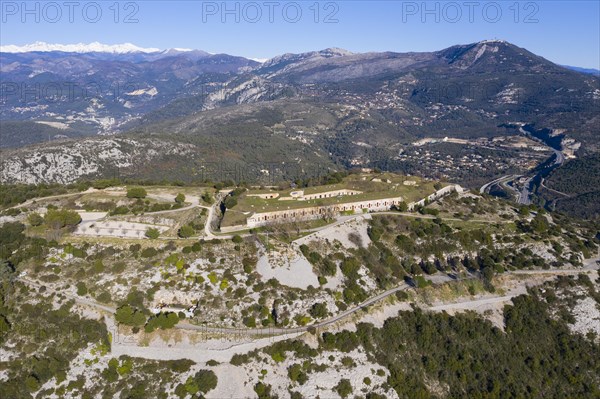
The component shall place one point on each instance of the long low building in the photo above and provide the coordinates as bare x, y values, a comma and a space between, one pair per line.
438, 194
316, 212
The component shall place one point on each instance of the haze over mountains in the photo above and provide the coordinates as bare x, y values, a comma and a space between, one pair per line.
330, 107
97, 88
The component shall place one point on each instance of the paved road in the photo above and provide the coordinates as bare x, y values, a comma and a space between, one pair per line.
523, 196
486, 187
553, 190
560, 157
524, 193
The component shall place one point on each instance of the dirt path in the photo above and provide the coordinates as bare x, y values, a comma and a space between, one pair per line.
220, 344
419, 216
473, 304
31, 201
273, 331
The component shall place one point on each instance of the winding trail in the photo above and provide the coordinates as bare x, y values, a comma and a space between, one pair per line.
280, 331
590, 265
229, 330
419, 216
32, 200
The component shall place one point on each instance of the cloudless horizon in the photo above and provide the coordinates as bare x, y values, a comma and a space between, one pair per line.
564, 32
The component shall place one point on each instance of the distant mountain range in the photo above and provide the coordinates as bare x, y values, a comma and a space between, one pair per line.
95, 88
94, 47
590, 71
331, 107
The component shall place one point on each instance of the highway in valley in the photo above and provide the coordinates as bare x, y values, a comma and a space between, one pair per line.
522, 196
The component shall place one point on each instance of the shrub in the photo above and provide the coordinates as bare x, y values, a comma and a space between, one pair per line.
104, 183
402, 206
402, 295
230, 202
355, 239
249, 322
296, 373
79, 253
11, 212
35, 219
125, 367
374, 233
239, 359
152, 233
180, 198
197, 247
81, 288
120, 210
314, 257
212, 277
263, 391
347, 361
207, 197
32, 383
104, 297
149, 252
130, 316
58, 219
249, 264
421, 282
136, 192
350, 267
162, 321
186, 231
98, 266
224, 284
319, 310
237, 239
302, 320
328, 268
206, 380
343, 388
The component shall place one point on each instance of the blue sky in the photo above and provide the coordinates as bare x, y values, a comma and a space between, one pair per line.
566, 32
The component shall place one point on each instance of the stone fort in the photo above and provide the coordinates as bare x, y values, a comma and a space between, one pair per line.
316, 212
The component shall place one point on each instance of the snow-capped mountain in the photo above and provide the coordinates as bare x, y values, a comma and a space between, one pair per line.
95, 47
98, 88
